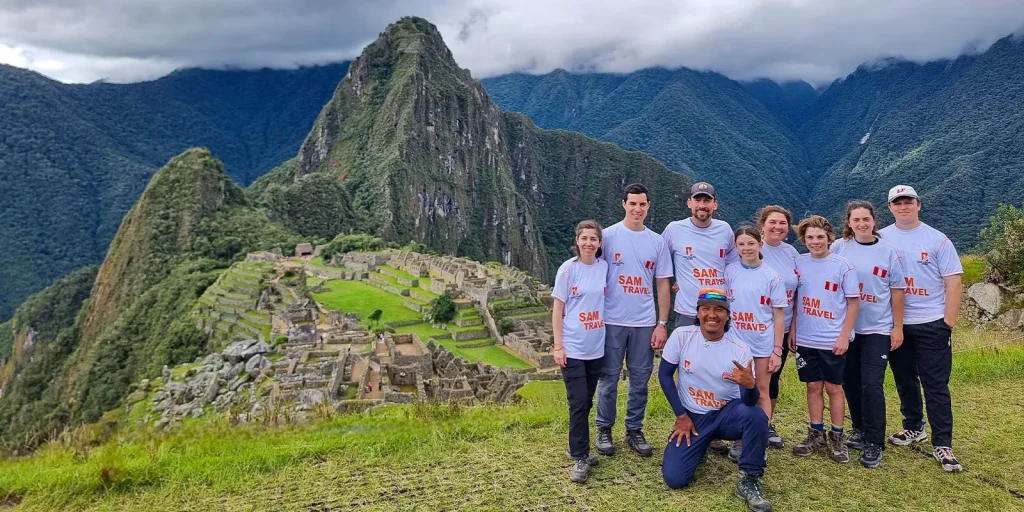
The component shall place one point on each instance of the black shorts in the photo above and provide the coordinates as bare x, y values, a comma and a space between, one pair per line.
814, 364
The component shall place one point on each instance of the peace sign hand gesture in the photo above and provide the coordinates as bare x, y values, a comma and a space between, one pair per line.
742, 375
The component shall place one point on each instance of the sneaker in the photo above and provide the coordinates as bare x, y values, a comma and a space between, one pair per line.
638, 443
580, 471
774, 439
748, 488
718, 446
604, 444
855, 440
837, 449
944, 455
871, 456
907, 437
592, 459
736, 450
815, 442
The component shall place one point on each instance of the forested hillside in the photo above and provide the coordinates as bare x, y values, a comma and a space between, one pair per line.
699, 123
73, 158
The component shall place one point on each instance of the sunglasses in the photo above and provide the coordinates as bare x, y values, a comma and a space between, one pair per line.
711, 296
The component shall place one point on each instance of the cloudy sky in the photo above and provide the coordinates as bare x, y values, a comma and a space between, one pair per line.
813, 40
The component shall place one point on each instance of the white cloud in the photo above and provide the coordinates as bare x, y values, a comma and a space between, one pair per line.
815, 40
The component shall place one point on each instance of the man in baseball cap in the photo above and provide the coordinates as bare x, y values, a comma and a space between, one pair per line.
716, 398
925, 360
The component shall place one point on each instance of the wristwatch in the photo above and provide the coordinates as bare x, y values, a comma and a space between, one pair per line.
663, 322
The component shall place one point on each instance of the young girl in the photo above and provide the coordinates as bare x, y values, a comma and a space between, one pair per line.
578, 327
879, 327
774, 222
829, 298
757, 299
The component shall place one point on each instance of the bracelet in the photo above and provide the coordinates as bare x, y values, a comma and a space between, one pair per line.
779, 353
556, 349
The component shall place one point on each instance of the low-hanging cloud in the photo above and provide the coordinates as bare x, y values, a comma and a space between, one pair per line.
813, 40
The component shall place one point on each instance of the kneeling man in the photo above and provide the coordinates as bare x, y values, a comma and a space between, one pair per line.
716, 398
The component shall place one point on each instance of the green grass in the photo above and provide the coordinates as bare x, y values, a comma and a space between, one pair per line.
974, 269
424, 330
491, 354
437, 457
362, 299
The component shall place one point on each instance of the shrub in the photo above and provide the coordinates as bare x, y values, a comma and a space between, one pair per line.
442, 310
1003, 245
505, 326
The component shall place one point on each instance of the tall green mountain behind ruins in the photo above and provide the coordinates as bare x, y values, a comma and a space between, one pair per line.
409, 148
418, 151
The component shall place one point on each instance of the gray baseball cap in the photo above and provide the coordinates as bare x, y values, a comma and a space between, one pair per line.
902, 191
702, 187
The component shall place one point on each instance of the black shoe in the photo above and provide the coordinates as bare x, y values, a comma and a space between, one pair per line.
856, 439
748, 488
604, 444
638, 443
774, 439
871, 456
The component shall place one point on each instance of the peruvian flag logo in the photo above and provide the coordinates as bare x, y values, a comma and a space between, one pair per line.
880, 272
649, 265
721, 253
832, 287
766, 301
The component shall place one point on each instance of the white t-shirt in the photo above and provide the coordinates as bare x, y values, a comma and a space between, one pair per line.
782, 260
753, 295
635, 259
879, 270
928, 256
582, 288
701, 365
825, 284
700, 256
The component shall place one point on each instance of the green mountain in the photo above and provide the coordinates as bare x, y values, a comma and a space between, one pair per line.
79, 344
415, 148
703, 124
951, 128
410, 147
73, 158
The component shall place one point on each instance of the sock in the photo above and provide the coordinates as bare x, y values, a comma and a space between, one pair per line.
837, 429
820, 427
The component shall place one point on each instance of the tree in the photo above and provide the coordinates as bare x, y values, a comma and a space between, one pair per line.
442, 310
375, 316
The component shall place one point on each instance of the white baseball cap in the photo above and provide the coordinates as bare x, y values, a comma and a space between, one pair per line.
902, 191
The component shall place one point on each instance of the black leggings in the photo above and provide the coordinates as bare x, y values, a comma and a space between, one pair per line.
773, 386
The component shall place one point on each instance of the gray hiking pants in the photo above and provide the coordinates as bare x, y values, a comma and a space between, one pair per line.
633, 344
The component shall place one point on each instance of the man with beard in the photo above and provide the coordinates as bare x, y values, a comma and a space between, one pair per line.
701, 248
638, 261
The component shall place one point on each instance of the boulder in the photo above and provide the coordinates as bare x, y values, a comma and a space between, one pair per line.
255, 349
229, 372
256, 364
310, 397
233, 352
987, 296
1013, 319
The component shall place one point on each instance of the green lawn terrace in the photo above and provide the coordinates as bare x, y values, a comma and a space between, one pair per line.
411, 281
231, 307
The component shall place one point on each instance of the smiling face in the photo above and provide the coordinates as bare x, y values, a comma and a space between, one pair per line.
863, 223
906, 210
702, 207
588, 242
748, 248
775, 228
712, 320
636, 206
817, 241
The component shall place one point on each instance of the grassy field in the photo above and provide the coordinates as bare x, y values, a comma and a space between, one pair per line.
438, 457
361, 298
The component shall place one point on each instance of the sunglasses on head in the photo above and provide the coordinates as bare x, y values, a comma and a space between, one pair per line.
711, 296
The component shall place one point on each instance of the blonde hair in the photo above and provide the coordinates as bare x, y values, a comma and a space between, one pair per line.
816, 221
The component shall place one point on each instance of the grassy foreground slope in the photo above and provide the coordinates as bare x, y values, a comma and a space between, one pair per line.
434, 457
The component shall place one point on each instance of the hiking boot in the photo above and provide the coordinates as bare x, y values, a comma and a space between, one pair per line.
592, 459
871, 456
604, 444
815, 442
580, 471
907, 437
638, 443
855, 440
774, 439
718, 446
748, 488
736, 450
837, 449
944, 455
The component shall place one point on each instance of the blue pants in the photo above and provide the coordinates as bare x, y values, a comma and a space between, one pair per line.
633, 343
734, 421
